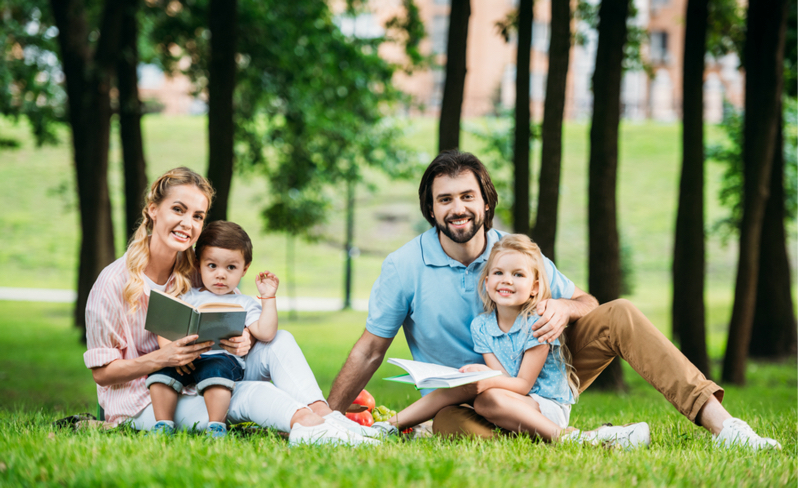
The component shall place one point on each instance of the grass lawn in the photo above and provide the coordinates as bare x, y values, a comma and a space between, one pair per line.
42, 377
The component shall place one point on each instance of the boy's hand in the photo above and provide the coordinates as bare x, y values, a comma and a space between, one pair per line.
267, 283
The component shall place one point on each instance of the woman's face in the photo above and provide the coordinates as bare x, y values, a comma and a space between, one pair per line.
178, 219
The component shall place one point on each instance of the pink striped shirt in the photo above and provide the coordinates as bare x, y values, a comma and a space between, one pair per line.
112, 333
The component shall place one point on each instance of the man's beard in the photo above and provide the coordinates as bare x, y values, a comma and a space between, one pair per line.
461, 236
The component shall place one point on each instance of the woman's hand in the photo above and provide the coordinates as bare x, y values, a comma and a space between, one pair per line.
471, 368
238, 346
179, 355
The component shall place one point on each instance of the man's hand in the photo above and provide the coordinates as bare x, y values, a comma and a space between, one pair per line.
555, 315
554, 318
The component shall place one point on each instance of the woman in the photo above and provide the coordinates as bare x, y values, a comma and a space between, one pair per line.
121, 353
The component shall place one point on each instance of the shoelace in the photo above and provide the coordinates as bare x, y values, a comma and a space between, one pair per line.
741, 426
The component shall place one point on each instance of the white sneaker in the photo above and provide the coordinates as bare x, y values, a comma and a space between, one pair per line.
342, 420
628, 437
738, 433
326, 433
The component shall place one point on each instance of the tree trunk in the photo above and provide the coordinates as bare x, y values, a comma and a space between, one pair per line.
133, 162
764, 55
774, 330
88, 81
350, 235
521, 144
452, 103
604, 272
689, 254
221, 84
545, 231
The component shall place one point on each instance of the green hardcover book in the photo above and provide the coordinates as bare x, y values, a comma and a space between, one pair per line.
173, 319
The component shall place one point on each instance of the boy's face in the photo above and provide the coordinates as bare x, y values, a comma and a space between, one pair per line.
221, 269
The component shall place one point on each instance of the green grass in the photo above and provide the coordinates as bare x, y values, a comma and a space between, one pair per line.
42, 374
42, 377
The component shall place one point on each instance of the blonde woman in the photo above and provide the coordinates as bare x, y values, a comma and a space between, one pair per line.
121, 353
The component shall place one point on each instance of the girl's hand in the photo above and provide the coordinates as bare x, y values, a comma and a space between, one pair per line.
238, 346
178, 354
471, 368
267, 283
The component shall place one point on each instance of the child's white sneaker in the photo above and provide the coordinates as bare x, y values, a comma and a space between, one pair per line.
326, 433
628, 437
342, 420
738, 433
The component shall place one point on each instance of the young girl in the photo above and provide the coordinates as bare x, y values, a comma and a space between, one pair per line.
538, 386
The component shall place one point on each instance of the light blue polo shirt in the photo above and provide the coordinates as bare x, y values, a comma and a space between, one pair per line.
435, 298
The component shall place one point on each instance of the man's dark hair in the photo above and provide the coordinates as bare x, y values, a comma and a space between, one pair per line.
226, 235
452, 164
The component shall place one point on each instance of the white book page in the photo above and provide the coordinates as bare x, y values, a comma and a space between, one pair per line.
419, 371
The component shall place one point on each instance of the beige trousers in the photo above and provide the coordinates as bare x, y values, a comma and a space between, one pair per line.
615, 329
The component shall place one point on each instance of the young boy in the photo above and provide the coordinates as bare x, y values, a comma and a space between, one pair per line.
224, 252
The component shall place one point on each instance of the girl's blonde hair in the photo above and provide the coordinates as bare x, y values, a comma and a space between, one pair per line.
522, 244
138, 250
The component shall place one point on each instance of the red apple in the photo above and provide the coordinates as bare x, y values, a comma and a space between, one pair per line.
365, 399
362, 418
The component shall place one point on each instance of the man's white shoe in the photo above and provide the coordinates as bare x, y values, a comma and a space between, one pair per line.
326, 433
738, 433
627, 437
342, 420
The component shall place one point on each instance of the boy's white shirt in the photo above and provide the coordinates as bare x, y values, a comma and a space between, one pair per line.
254, 309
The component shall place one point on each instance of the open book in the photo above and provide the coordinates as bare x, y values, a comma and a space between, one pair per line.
428, 375
173, 319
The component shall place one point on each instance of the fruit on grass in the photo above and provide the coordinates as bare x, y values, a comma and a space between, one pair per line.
362, 418
382, 413
365, 399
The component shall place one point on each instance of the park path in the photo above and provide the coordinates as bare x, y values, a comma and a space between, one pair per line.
284, 304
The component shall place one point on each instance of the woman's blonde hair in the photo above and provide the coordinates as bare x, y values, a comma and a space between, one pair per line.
138, 250
522, 244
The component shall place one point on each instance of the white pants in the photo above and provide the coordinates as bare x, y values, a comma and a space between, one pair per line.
255, 399
558, 413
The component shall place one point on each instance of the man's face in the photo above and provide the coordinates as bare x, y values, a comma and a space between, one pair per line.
457, 206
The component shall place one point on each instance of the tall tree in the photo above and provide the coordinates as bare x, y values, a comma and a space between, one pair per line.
130, 111
452, 103
88, 71
689, 249
545, 230
764, 65
521, 218
774, 327
223, 22
604, 271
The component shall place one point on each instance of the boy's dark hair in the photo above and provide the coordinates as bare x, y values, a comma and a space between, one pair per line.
226, 235
452, 164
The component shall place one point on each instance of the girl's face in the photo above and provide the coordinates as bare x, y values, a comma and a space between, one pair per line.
511, 280
178, 219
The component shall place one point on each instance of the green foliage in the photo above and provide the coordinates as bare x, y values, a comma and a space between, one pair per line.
311, 103
725, 28
409, 31
30, 74
498, 136
587, 18
729, 154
